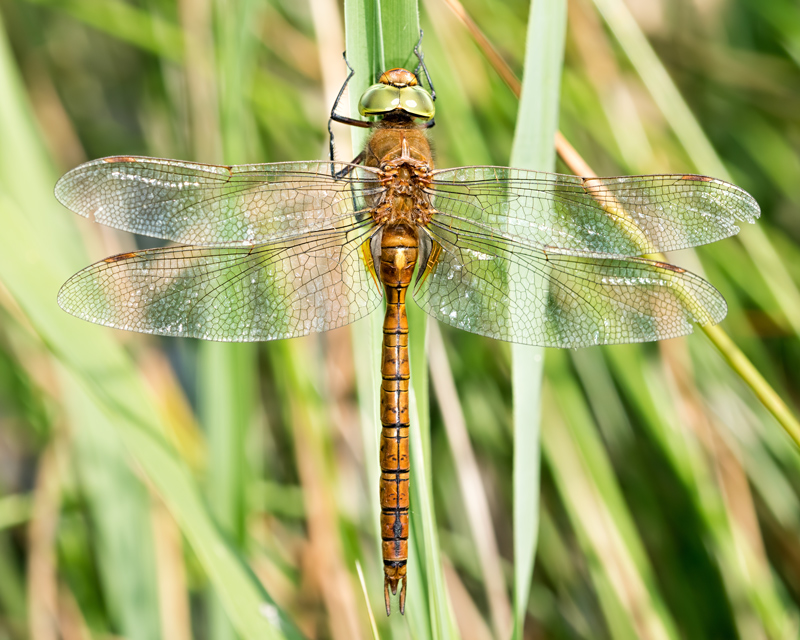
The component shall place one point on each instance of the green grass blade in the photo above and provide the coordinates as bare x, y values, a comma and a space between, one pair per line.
537, 123
127, 23
119, 506
15, 509
388, 31
228, 372
12, 588
474, 499
362, 46
400, 30
624, 580
401, 34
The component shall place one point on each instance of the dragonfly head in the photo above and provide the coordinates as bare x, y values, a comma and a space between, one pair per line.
397, 90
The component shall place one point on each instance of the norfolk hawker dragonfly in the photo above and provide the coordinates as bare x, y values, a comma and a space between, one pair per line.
280, 250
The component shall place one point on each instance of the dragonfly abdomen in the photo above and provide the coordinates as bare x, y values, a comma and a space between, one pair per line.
397, 260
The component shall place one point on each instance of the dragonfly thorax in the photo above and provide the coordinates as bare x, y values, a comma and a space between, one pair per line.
404, 201
403, 156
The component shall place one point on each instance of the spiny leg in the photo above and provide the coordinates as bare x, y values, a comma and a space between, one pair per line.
335, 117
421, 65
421, 57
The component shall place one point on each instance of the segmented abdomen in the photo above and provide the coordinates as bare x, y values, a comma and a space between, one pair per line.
398, 257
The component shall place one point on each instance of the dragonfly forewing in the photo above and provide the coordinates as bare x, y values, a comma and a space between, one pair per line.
625, 216
202, 204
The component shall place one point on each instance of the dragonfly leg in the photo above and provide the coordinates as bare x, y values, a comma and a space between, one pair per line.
421, 66
335, 117
349, 168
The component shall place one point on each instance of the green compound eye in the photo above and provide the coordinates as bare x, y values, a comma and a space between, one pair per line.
417, 101
380, 99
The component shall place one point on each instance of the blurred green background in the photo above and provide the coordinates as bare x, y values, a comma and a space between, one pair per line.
160, 488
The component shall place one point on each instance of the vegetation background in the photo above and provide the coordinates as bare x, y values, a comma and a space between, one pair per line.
160, 488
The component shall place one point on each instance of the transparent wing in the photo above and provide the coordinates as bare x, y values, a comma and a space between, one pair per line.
498, 287
269, 291
206, 204
627, 216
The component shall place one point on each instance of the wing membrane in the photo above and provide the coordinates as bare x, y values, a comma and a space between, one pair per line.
498, 287
202, 204
275, 290
626, 216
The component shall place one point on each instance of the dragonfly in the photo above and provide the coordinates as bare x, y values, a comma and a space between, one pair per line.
280, 250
